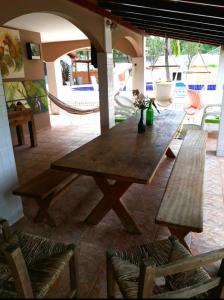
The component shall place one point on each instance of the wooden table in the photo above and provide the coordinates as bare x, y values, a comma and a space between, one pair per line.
17, 119
127, 157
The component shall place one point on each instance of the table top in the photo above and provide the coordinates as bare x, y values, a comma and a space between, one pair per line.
17, 117
122, 153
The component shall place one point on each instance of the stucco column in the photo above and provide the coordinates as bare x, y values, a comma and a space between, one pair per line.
106, 93
138, 78
54, 80
220, 99
138, 71
10, 205
105, 78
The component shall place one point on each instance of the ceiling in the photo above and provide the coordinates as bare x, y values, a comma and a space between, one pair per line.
194, 20
52, 28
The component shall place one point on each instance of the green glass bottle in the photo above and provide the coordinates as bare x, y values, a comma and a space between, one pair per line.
149, 114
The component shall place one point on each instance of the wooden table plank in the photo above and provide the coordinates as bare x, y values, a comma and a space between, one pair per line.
122, 153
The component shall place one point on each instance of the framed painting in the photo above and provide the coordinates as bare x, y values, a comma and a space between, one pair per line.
33, 50
11, 55
31, 93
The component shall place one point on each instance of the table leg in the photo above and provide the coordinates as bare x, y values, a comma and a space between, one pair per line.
170, 154
111, 200
32, 131
125, 217
20, 135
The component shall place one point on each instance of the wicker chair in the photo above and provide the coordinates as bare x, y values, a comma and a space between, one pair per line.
30, 265
163, 269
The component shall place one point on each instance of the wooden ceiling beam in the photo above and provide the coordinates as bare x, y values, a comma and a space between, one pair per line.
146, 15
146, 24
183, 36
131, 17
105, 13
190, 14
215, 3
170, 7
181, 32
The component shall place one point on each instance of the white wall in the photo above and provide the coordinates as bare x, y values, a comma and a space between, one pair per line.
55, 84
10, 205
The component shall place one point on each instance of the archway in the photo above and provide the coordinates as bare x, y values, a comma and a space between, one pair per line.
11, 208
89, 23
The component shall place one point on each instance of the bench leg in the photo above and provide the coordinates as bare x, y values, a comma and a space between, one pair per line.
181, 234
43, 212
170, 154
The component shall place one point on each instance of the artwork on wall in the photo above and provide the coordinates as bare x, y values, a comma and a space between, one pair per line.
32, 94
33, 50
11, 55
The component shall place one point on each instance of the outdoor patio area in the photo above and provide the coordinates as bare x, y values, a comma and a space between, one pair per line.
69, 132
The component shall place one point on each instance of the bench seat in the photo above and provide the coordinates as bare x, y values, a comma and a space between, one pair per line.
181, 208
44, 188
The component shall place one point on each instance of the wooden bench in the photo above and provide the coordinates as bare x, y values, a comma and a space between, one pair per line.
181, 208
45, 188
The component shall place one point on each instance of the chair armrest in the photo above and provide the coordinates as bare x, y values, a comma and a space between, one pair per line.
214, 104
208, 112
211, 106
190, 263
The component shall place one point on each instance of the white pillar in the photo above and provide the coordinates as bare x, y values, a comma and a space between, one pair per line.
55, 83
106, 92
138, 78
220, 99
10, 205
138, 71
105, 78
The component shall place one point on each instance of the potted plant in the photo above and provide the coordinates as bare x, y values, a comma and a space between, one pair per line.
164, 89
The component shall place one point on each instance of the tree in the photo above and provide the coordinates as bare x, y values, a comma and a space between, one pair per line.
65, 71
171, 47
157, 46
119, 56
154, 49
190, 49
205, 48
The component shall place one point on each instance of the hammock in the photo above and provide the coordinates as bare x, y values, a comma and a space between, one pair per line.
123, 106
70, 109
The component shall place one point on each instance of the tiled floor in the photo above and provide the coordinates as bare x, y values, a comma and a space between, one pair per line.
70, 210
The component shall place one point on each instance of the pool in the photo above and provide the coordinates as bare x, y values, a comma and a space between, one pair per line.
149, 87
195, 87
83, 88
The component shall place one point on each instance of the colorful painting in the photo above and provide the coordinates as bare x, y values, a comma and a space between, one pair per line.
32, 94
11, 55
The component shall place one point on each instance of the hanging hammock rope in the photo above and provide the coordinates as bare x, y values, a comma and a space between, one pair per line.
205, 66
70, 109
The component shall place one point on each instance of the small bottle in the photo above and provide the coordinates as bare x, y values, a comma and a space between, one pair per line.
149, 114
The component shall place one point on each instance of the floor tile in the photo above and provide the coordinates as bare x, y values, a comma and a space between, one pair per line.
71, 209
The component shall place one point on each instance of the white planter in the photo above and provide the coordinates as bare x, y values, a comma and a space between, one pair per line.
164, 92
